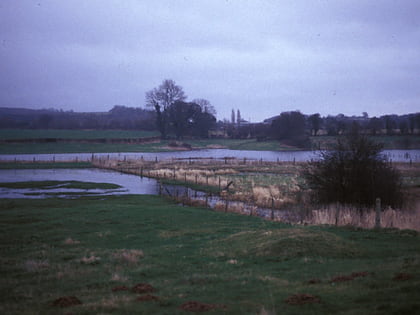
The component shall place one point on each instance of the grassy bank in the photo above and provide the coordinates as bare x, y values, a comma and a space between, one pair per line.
159, 146
97, 250
74, 134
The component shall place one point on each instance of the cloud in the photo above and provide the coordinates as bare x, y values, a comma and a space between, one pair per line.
325, 56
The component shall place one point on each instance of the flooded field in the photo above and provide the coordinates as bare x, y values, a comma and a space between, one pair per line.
130, 184
282, 156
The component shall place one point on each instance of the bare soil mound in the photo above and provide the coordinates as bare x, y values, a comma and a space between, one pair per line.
143, 288
402, 277
66, 301
353, 276
147, 297
302, 298
194, 306
120, 288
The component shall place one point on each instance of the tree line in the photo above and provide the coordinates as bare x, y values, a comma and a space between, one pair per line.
168, 111
119, 117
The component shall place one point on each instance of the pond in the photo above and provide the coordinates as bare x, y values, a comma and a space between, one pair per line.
298, 156
130, 184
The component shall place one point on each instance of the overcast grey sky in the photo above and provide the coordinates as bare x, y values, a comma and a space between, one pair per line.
262, 57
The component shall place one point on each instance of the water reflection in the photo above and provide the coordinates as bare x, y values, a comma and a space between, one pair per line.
298, 156
131, 184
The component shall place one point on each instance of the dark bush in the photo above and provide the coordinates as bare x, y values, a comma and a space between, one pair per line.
354, 172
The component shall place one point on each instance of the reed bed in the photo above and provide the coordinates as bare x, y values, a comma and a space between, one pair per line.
350, 216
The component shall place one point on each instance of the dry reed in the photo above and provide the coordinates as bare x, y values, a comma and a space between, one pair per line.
349, 216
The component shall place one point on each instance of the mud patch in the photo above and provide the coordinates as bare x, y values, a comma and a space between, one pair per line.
194, 306
142, 288
66, 301
120, 288
351, 277
314, 281
302, 298
147, 297
402, 277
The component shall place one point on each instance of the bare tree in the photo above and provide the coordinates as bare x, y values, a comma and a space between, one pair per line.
161, 98
205, 105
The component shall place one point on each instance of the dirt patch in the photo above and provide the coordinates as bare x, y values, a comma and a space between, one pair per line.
147, 297
143, 288
302, 298
402, 277
120, 288
351, 277
314, 281
70, 241
66, 301
194, 306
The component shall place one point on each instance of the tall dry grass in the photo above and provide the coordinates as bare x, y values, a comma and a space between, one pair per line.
349, 216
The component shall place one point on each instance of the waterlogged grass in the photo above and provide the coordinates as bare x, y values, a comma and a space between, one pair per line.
158, 146
74, 134
239, 144
43, 165
198, 187
58, 184
241, 265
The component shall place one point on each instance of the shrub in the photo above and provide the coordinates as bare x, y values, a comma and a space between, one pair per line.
354, 172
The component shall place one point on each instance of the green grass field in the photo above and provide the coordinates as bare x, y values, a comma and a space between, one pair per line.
86, 247
390, 142
74, 134
54, 148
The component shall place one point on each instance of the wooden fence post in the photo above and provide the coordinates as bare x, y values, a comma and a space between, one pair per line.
337, 214
378, 213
